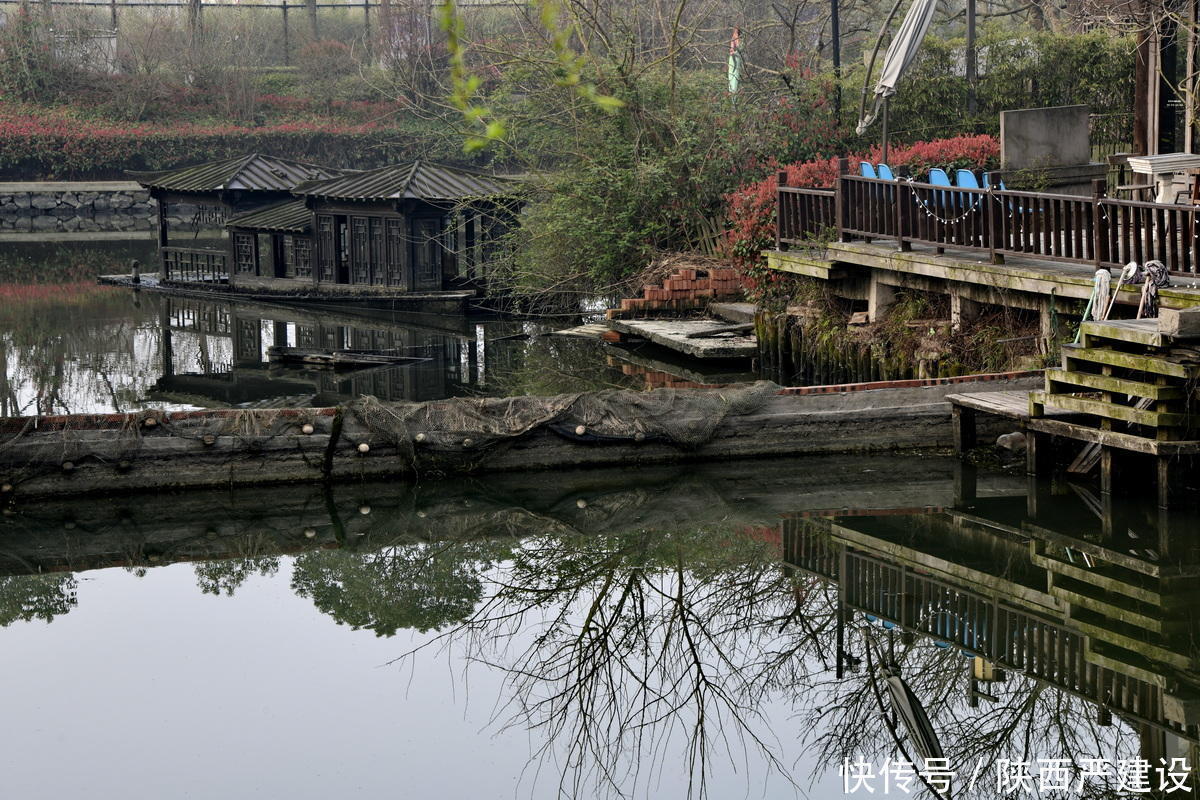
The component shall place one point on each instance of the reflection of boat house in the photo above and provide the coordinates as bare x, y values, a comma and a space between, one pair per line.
204, 196
214, 354
415, 227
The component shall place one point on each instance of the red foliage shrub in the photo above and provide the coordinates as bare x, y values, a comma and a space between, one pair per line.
751, 209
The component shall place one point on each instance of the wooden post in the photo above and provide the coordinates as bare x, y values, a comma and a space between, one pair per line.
314, 27
1107, 466
163, 234
843, 166
782, 179
287, 43
1099, 223
964, 423
112, 13
1038, 454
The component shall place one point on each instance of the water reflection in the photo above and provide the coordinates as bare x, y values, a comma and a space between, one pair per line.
77, 347
720, 618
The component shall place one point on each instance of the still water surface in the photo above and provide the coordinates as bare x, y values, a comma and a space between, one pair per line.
653, 633
713, 630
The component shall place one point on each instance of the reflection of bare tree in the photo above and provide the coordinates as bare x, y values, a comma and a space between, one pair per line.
635, 654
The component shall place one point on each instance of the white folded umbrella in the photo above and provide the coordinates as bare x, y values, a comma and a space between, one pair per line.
900, 54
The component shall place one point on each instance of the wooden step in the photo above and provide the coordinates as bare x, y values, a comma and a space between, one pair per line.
1067, 381
1134, 361
1099, 408
1135, 331
1084, 595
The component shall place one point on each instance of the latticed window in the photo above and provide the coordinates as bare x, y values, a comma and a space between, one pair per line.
395, 252
360, 253
245, 253
303, 256
289, 256
326, 247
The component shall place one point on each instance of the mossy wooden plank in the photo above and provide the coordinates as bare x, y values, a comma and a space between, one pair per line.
1133, 361
1099, 408
1085, 381
1135, 331
788, 261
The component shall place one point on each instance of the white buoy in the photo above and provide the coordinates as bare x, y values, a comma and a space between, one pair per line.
363, 447
581, 503
467, 442
364, 509
307, 428
420, 437
580, 430
639, 437
310, 533
421, 514
5, 488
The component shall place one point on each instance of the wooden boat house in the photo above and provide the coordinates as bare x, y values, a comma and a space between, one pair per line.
409, 228
417, 232
203, 197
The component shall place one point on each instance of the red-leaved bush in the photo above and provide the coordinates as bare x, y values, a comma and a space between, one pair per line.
751, 209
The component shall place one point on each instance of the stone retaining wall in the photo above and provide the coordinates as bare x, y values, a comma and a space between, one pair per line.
76, 206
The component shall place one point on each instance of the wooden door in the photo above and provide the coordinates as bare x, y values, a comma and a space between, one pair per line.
397, 274
427, 254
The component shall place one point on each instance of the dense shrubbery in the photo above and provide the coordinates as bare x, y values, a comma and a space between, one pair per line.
59, 147
752, 208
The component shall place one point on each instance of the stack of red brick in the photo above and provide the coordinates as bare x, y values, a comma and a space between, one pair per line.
684, 290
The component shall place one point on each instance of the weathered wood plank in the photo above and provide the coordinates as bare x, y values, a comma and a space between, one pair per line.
1074, 381
1122, 441
1134, 361
1099, 408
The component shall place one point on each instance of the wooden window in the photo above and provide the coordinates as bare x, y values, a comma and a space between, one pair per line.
289, 256
394, 256
360, 254
303, 256
245, 251
327, 255
378, 273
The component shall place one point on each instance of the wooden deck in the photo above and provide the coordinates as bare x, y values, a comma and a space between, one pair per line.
1009, 404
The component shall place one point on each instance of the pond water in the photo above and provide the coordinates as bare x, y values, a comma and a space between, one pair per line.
647, 633
71, 346
724, 630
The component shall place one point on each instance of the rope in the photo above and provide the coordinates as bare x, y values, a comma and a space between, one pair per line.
925, 206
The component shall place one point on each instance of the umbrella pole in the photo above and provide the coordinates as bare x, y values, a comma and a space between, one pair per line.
884, 157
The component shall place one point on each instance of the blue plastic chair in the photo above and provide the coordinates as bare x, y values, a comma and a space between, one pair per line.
885, 173
866, 169
938, 177
966, 179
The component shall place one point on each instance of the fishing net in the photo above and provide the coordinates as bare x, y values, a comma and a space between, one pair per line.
686, 418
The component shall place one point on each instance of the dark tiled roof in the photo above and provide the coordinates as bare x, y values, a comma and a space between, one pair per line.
290, 216
252, 172
420, 180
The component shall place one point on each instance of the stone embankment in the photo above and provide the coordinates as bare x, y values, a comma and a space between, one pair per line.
75, 206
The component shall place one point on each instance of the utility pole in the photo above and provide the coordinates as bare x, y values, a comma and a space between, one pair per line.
972, 63
836, 23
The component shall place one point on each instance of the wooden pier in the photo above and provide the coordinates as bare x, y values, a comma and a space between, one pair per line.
1123, 398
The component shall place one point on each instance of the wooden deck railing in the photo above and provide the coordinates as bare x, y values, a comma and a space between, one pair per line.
804, 215
1096, 230
192, 264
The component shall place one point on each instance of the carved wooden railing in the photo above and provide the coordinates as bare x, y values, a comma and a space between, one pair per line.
194, 265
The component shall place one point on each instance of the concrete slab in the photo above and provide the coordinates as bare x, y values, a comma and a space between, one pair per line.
740, 313
673, 334
593, 330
